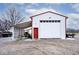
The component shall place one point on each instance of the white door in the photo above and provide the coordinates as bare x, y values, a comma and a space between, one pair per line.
49, 29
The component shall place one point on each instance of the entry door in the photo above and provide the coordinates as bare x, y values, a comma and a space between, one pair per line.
36, 33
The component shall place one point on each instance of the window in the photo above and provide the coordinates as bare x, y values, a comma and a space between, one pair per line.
49, 21
40, 21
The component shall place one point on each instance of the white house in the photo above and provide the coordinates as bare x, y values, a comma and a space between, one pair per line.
44, 25
19, 29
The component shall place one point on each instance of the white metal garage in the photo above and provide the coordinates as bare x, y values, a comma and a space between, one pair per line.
48, 25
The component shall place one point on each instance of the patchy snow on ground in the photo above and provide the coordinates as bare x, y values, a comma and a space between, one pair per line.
6, 39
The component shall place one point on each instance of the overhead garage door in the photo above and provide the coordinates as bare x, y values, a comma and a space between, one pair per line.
49, 29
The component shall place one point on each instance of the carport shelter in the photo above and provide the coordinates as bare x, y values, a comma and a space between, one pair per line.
18, 29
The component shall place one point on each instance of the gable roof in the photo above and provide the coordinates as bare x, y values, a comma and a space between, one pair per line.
49, 12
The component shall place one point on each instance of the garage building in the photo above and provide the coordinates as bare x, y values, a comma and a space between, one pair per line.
48, 25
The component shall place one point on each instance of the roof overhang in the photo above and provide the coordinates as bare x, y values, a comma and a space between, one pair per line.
24, 25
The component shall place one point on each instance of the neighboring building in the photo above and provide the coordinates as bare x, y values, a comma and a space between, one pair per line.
18, 29
44, 25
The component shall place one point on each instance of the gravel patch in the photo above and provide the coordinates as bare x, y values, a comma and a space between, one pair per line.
41, 47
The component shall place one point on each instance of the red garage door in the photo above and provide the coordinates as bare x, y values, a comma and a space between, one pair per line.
36, 33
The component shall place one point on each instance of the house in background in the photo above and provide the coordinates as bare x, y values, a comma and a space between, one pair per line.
44, 25
19, 29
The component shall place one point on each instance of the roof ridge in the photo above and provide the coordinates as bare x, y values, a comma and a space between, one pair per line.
47, 12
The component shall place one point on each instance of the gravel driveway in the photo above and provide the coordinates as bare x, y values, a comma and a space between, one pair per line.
41, 47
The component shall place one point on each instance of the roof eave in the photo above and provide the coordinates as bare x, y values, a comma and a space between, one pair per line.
47, 12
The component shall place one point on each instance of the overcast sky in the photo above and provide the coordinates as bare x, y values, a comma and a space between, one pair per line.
28, 9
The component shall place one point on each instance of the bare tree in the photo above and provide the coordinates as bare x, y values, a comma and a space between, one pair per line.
12, 17
6, 24
1, 25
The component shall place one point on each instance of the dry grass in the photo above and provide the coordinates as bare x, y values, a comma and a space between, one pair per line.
41, 47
